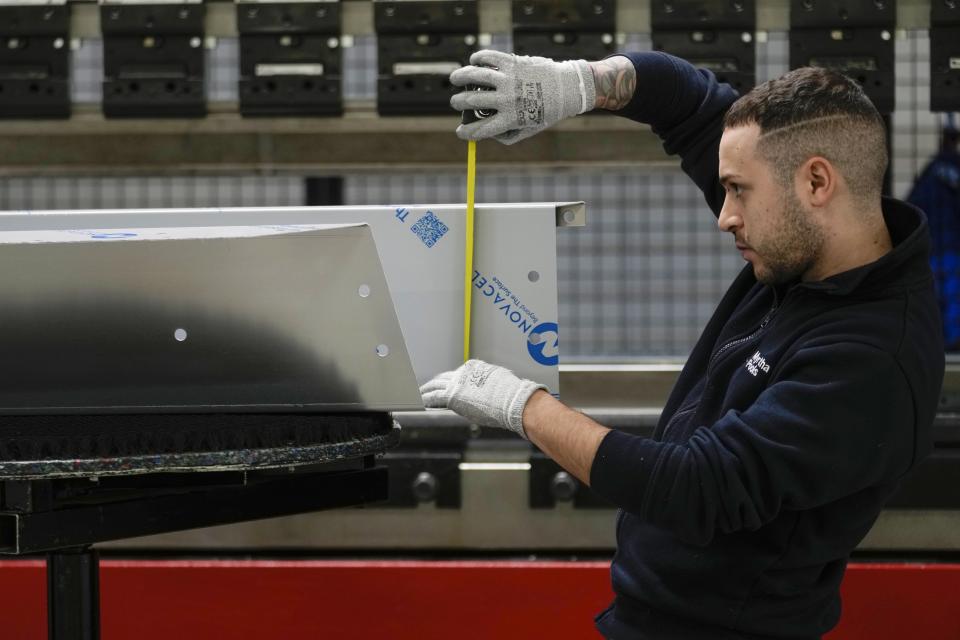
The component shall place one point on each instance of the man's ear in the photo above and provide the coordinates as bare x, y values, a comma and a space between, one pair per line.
817, 181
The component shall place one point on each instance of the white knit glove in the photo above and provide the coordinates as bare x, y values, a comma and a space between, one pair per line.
529, 94
485, 394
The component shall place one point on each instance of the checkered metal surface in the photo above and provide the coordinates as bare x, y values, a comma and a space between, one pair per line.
639, 281
223, 70
773, 55
144, 192
915, 131
86, 72
360, 69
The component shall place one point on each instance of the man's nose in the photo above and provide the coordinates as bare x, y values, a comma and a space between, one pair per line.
729, 218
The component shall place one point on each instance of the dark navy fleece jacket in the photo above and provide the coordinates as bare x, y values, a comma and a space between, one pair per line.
796, 415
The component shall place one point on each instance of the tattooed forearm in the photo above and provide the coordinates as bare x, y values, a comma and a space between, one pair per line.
616, 80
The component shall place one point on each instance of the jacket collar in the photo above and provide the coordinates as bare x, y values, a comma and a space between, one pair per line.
906, 265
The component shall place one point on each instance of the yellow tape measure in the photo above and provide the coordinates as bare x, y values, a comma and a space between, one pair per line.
468, 270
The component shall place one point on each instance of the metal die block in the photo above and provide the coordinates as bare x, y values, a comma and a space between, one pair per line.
418, 44
290, 58
944, 56
423, 477
412, 54
120, 17
550, 484
291, 94
290, 74
568, 15
34, 61
414, 70
153, 60
319, 16
19, 18
414, 94
564, 30
164, 78
945, 68
944, 14
731, 55
564, 45
842, 13
425, 16
864, 54
697, 14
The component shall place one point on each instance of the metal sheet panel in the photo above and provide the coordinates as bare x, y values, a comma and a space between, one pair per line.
283, 318
422, 251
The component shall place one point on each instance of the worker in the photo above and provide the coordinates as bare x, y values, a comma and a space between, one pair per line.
811, 391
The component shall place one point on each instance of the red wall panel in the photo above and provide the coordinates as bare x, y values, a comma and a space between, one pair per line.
160, 600
897, 601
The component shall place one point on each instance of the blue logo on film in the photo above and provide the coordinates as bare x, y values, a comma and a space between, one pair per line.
543, 343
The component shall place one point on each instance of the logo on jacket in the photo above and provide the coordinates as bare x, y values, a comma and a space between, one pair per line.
756, 364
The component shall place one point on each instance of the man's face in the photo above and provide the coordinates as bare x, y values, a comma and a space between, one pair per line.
773, 231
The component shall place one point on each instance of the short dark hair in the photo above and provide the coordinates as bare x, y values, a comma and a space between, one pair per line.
817, 112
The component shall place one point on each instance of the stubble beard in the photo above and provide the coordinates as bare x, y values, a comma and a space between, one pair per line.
793, 249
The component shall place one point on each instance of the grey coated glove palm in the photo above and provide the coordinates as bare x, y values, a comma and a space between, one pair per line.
529, 94
483, 393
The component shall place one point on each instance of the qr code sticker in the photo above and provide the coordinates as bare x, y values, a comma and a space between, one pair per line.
429, 229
